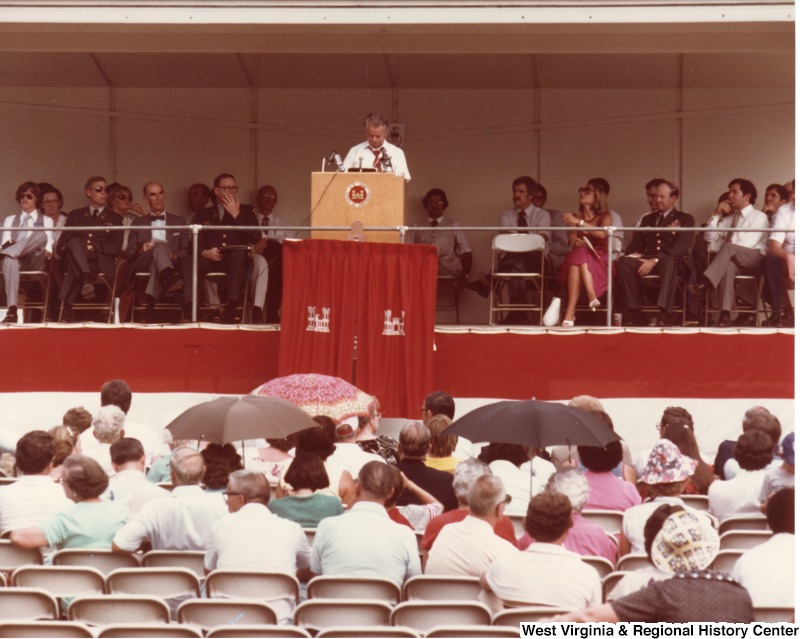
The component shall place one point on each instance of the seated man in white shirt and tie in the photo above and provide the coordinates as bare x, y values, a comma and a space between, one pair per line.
739, 250
24, 250
376, 153
267, 279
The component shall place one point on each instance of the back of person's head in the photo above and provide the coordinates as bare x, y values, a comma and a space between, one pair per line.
415, 440
549, 516
780, 511
108, 424
250, 484
601, 460
318, 440
186, 467
685, 542
65, 439
753, 449
770, 424
84, 477
750, 413
346, 430
284, 444
125, 450
654, 523
571, 483
678, 430
787, 449
442, 444
220, 460
306, 471
465, 475
440, 403
378, 480
35, 450
79, 418
484, 496
116, 393
517, 454
587, 403
677, 411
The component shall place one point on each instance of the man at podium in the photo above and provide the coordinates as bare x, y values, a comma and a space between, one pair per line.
376, 154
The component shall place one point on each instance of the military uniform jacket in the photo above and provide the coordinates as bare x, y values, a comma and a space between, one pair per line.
663, 241
106, 242
216, 238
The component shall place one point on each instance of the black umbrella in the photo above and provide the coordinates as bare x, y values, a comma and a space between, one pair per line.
532, 423
230, 419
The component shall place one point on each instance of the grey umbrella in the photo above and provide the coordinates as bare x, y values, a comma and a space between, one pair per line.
231, 419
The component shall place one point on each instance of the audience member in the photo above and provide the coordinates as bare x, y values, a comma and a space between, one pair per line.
768, 570
270, 247
367, 436
108, 426
559, 244
320, 442
440, 456
771, 425
251, 538
129, 486
197, 198
415, 441
584, 537
89, 523
679, 432
34, 497
601, 184
220, 461
415, 516
509, 462
66, 443
725, 449
775, 196
159, 472
778, 265
364, 541
273, 459
79, 419
376, 154
739, 496
545, 573
778, 477
606, 490
180, 522
469, 547
304, 505
348, 455
684, 546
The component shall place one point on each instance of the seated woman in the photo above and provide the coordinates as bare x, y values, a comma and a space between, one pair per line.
608, 491
67, 443
305, 476
367, 436
221, 461
679, 431
440, 455
90, 523
587, 262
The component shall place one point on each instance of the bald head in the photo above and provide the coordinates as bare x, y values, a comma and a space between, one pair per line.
252, 485
415, 440
186, 467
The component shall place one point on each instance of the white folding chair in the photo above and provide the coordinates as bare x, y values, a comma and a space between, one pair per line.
743, 539
191, 559
61, 581
345, 587
60, 629
437, 587
519, 243
424, 615
317, 614
143, 630
243, 631
602, 565
209, 613
743, 522
608, 520
515, 616
27, 604
109, 609
103, 560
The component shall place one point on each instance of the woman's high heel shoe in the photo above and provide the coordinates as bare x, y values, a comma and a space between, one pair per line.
568, 323
594, 305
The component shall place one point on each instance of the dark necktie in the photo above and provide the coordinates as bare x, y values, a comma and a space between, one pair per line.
377, 163
160, 218
734, 224
265, 221
522, 219
95, 213
434, 222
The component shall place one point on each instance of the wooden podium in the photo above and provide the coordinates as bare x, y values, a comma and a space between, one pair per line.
374, 199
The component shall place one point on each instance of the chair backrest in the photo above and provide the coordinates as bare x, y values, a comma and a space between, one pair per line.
208, 613
489, 632
342, 587
122, 630
424, 615
254, 630
515, 616
325, 613
726, 559
346, 632
28, 604
103, 560
161, 582
191, 559
65, 629
608, 520
774, 614
12, 556
260, 586
698, 502
634, 561
437, 587
518, 242
610, 581
519, 524
61, 581
744, 522
602, 565
108, 609
743, 539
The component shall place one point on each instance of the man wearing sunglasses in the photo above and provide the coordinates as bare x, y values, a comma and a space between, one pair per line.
24, 249
89, 252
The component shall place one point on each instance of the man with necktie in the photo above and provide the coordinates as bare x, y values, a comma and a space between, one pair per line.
267, 279
663, 252
89, 252
159, 251
739, 250
376, 154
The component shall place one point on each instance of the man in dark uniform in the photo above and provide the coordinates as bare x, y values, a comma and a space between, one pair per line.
226, 250
662, 252
88, 253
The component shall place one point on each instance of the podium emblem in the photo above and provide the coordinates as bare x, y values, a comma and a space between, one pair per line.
357, 194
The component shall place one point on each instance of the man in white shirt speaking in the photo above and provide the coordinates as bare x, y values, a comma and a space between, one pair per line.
376, 153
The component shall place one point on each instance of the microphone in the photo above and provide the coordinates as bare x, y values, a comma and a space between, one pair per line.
334, 158
386, 161
360, 161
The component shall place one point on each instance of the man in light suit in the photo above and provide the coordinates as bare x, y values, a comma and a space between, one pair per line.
25, 250
159, 251
88, 253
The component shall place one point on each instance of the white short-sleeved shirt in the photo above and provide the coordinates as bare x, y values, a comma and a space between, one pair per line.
131, 489
362, 156
767, 571
29, 501
783, 228
737, 496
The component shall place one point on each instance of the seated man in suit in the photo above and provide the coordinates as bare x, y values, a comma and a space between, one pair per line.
661, 252
268, 258
226, 249
158, 251
88, 253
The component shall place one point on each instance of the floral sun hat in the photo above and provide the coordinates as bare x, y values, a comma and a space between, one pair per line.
666, 464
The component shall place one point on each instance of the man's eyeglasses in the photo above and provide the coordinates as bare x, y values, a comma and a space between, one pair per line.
27, 196
100, 189
226, 495
125, 196
229, 189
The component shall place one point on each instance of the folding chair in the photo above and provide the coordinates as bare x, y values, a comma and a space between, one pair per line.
30, 282
317, 614
105, 294
243, 631
61, 581
633, 561
519, 524
698, 502
252, 585
144, 630
220, 279
173, 303
109, 609
162, 582
650, 287
602, 565
191, 559
743, 522
61, 629
104, 560
487, 632
343, 587
515, 616
27, 604
726, 560
12, 556
743, 539
437, 587
610, 581
517, 243
348, 632
208, 613
424, 615
608, 520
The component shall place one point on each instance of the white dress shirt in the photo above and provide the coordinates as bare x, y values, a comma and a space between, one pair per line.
268, 231
34, 218
131, 489
783, 228
29, 501
767, 571
362, 156
749, 218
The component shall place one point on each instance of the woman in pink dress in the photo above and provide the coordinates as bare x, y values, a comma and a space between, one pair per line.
587, 263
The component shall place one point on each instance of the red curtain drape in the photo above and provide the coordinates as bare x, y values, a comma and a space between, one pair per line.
382, 294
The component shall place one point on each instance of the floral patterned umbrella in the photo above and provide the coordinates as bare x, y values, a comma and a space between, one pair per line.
319, 395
